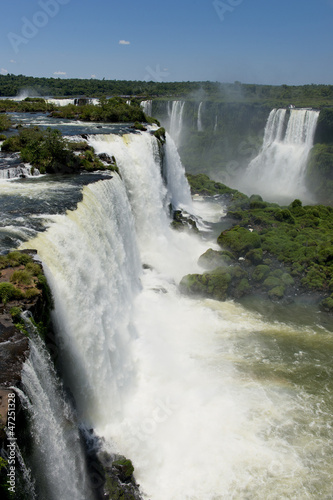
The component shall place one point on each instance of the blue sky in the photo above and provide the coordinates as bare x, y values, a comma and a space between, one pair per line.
253, 41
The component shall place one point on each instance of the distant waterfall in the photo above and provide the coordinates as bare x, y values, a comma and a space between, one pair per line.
147, 107
60, 102
199, 122
177, 184
274, 127
58, 463
18, 171
277, 173
175, 112
215, 126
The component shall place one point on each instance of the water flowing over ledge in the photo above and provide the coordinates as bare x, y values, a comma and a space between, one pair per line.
279, 169
204, 397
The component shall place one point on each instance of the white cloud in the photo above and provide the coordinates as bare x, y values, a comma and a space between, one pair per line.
93, 76
4, 71
60, 73
124, 42
12, 61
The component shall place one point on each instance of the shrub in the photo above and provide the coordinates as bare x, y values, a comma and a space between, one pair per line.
32, 292
284, 215
277, 292
260, 272
272, 282
14, 259
5, 122
160, 135
22, 277
9, 292
239, 240
15, 313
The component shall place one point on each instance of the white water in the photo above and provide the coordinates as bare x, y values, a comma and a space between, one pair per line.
165, 379
278, 172
199, 121
177, 184
65, 101
18, 171
58, 460
175, 113
60, 102
147, 107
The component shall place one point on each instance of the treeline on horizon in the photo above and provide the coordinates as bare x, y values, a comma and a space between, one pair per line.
299, 95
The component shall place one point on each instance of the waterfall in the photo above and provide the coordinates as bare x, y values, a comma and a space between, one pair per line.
196, 392
58, 461
18, 171
274, 127
278, 172
175, 112
147, 107
180, 193
95, 328
199, 122
60, 102
215, 126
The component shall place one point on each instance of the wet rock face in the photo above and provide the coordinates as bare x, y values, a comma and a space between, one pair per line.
14, 350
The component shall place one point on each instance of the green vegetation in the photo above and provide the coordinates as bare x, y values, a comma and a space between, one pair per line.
5, 494
160, 135
21, 278
140, 126
302, 95
202, 184
239, 240
319, 174
280, 250
112, 110
324, 129
13, 259
26, 106
48, 151
119, 481
5, 123
9, 292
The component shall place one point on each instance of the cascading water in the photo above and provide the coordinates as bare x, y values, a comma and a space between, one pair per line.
147, 107
95, 328
199, 121
208, 400
274, 127
175, 113
180, 193
58, 462
60, 102
18, 171
278, 172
